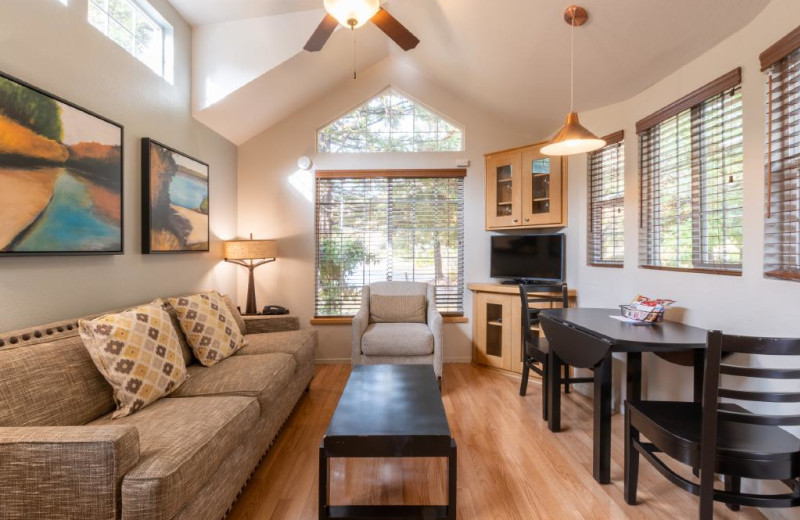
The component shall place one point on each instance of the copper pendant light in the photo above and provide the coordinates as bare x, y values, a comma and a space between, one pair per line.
573, 138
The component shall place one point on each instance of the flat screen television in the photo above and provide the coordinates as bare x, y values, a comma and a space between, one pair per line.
536, 258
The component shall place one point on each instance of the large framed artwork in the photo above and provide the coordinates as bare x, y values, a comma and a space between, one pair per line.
60, 176
174, 200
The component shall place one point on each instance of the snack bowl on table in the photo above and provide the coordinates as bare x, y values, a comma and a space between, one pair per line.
653, 316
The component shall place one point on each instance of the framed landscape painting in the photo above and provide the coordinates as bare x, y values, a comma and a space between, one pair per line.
174, 200
60, 176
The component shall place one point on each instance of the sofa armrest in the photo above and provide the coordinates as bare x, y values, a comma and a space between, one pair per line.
360, 324
65, 471
262, 324
435, 321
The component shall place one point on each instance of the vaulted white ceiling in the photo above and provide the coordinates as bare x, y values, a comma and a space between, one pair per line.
510, 56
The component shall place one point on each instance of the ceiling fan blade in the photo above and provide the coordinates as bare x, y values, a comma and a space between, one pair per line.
395, 30
321, 35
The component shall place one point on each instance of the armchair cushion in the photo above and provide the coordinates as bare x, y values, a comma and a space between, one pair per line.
397, 339
409, 308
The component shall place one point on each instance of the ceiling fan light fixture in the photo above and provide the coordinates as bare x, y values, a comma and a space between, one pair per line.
573, 138
352, 13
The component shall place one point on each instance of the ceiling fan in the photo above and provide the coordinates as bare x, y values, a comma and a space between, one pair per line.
353, 14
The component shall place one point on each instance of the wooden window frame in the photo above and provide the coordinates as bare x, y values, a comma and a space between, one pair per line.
691, 103
615, 139
781, 63
449, 317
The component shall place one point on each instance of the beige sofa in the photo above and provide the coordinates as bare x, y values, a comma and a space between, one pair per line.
186, 456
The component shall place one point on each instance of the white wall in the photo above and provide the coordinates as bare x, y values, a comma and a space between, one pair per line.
53, 47
749, 304
277, 201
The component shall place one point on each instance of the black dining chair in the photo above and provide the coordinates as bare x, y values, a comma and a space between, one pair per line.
722, 437
536, 351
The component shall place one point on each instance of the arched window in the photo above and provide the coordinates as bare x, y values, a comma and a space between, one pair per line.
390, 122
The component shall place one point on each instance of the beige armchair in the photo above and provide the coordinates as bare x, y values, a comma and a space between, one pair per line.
395, 326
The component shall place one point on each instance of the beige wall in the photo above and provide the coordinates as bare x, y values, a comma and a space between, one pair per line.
53, 47
749, 304
276, 200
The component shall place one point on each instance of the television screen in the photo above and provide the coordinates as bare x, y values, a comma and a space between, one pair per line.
528, 257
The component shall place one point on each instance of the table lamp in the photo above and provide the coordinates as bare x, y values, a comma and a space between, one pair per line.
251, 254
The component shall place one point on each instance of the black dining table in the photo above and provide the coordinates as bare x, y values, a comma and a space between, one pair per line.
673, 341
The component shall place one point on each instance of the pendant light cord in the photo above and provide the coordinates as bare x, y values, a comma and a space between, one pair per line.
572, 65
353, 30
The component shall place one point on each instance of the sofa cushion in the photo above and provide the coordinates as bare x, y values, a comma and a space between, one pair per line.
182, 442
138, 353
51, 384
210, 328
301, 344
397, 339
263, 377
410, 308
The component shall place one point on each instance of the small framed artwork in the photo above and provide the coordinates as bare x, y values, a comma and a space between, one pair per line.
174, 200
60, 176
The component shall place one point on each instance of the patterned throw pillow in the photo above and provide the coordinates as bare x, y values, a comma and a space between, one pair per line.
138, 353
209, 326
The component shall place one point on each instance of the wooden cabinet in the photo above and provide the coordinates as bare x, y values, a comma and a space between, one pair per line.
525, 189
497, 325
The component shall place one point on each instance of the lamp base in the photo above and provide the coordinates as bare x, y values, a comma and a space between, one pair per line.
250, 307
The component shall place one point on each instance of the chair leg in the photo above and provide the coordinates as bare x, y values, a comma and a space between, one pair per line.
566, 378
545, 387
733, 485
631, 461
523, 387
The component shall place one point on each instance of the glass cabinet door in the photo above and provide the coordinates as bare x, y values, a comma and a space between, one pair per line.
503, 188
541, 190
505, 184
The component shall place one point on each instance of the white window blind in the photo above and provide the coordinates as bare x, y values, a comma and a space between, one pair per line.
606, 197
372, 227
691, 181
782, 228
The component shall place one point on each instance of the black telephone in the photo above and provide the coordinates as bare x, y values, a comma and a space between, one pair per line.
274, 310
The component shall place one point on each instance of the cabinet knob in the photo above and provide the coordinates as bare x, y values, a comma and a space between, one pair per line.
515, 220
527, 220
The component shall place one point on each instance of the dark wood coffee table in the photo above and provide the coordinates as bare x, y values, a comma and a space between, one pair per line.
388, 411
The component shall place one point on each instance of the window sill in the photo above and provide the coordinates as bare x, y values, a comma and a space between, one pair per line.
348, 320
692, 270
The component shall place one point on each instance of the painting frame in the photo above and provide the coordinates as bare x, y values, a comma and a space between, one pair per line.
148, 220
121, 178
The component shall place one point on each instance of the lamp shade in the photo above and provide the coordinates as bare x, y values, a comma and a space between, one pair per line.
352, 13
573, 139
250, 249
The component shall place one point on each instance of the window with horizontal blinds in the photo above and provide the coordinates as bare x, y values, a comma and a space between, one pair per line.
379, 227
691, 182
606, 235
782, 224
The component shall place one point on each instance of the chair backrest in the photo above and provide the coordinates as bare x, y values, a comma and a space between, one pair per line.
718, 345
539, 294
398, 288
574, 347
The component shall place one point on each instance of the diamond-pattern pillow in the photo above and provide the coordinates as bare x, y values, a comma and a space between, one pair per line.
138, 353
209, 326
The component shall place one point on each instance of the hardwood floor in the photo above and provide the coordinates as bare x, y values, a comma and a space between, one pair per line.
510, 466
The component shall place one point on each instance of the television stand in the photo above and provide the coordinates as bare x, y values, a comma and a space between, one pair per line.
496, 322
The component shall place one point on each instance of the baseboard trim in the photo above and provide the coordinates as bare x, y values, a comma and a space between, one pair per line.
346, 361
